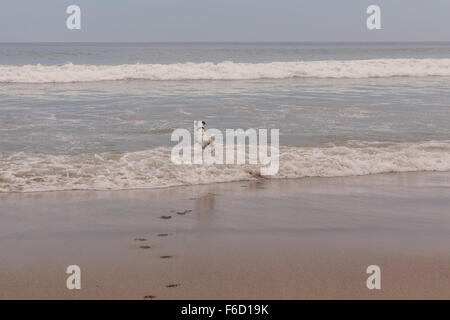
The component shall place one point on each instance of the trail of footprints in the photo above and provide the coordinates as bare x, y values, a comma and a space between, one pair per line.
164, 217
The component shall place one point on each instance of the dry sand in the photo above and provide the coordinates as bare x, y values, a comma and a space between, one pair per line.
309, 238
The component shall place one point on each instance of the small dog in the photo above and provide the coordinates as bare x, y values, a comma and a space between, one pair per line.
200, 135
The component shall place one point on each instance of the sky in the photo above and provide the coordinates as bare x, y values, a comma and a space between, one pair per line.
223, 20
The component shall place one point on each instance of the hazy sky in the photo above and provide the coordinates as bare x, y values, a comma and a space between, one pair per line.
224, 20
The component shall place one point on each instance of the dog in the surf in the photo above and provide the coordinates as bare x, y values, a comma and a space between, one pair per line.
200, 136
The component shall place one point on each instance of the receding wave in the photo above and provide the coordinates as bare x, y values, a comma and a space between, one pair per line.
375, 68
24, 172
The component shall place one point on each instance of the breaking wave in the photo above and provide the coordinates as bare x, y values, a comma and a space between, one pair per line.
27, 172
374, 68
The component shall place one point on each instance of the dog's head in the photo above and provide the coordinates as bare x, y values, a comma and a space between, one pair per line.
201, 124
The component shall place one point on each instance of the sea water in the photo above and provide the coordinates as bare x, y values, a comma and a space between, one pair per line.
100, 116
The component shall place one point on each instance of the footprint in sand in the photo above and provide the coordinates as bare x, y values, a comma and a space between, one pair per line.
144, 247
182, 213
149, 297
173, 285
140, 239
166, 217
163, 234
165, 257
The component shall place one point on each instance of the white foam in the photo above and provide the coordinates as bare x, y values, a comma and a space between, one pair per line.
226, 70
23, 172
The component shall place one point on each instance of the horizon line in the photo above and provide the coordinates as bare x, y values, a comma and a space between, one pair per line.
223, 42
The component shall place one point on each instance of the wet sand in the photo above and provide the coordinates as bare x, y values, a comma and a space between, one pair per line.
310, 238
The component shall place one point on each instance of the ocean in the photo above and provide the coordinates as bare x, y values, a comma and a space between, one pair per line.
96, 116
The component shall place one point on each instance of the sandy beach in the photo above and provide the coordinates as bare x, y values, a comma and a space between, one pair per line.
309, 238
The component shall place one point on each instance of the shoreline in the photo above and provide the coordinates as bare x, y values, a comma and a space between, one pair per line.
258, 179
308, 238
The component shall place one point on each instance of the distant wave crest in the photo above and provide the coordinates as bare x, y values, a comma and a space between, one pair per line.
374, 68
27, 172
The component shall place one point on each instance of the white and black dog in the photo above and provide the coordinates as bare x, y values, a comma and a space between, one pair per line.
200, 135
